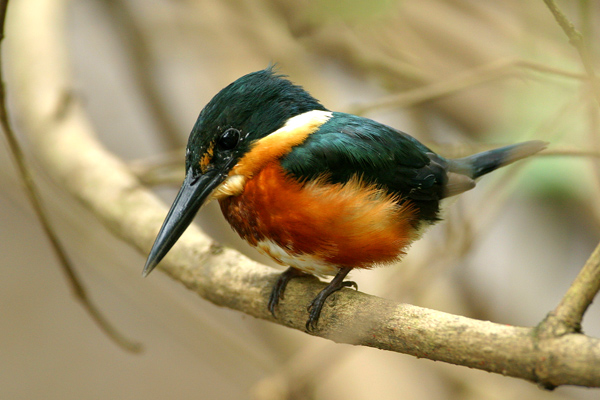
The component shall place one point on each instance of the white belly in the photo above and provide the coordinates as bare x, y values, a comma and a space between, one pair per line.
304, 262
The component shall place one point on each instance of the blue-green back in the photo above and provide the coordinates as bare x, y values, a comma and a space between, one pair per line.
347, 146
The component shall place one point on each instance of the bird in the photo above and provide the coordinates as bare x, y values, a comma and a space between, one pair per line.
318, 191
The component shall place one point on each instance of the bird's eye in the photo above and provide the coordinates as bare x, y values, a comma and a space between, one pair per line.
229, 139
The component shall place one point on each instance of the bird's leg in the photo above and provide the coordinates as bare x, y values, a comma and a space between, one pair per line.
279, 287
317, 304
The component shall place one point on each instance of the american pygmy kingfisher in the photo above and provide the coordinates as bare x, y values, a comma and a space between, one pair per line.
319, 191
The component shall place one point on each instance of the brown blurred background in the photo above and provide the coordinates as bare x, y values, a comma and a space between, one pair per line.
459, 75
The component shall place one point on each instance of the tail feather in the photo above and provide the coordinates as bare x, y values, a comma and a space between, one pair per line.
480, 164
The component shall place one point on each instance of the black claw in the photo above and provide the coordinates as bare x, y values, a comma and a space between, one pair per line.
315, 307
317, 304
279, 288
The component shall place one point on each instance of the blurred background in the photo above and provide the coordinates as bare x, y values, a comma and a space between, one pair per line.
461, 76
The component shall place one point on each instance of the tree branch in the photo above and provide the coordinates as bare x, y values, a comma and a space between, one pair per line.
65, 144
578, 41
567, 316
32, 193
135, 44
469, 78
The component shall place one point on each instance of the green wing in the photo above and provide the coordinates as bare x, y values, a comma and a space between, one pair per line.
348, 146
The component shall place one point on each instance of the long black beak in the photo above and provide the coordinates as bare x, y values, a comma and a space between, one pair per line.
193, 194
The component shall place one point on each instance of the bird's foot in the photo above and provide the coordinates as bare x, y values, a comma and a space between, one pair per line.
280, 285
317, 304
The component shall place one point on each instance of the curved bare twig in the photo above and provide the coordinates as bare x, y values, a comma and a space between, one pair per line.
33, 194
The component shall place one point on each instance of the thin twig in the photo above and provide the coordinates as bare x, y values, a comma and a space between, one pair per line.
469, 78
137, 47
578, 298
437, 89
578, 41
559, 72
36, 202
165, 168
568, 314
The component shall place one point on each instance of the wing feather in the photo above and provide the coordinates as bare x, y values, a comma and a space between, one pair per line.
347, 146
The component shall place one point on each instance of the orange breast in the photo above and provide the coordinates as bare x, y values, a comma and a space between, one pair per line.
347, 225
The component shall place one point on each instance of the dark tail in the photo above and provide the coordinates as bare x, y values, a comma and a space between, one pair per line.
482, 163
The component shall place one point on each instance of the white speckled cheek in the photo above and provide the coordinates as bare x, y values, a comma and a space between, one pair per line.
304, 262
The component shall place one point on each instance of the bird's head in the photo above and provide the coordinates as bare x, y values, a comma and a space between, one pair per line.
228, 129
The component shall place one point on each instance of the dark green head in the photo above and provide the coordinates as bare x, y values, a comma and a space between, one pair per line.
248, 109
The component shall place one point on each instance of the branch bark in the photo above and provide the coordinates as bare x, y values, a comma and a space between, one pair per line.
64, 141
32, 193
567, 316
